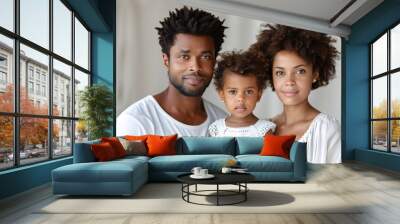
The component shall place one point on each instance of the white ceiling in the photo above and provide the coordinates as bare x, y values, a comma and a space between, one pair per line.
324, 16
319, 9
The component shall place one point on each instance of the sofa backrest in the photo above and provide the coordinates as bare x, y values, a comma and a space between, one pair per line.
206, 145
198, 145
249, 145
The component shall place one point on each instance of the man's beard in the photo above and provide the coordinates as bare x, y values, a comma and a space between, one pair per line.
186, 92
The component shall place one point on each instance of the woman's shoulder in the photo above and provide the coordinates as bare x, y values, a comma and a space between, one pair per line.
322, 125
326, 120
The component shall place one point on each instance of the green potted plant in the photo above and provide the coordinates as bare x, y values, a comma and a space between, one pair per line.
96, 102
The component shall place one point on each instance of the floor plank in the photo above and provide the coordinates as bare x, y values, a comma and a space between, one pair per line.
376, 189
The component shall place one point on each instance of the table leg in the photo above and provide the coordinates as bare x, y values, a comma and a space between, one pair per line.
245, 191
217, 194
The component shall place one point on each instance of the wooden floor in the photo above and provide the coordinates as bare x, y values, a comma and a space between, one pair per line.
354, 182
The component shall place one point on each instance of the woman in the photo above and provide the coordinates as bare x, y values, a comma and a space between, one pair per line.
300, 61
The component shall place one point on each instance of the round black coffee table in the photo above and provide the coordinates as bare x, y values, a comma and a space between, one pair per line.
238, 179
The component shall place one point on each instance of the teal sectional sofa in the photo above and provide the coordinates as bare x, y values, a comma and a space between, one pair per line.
125, 176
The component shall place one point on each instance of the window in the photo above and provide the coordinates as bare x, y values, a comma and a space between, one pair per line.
30, 87
3, 61
44, 91
30, 72
38, 89
7, 14
385, 96
47, 75
6, 69
37, 74
3, 81
3, 72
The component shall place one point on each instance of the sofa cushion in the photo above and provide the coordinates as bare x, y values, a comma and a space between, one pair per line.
96, 172
277, 145
206, 145
111, 171
116, 145
135, 147
103, 151
185, 163
161, 145
257, 163
136, 137
249, 145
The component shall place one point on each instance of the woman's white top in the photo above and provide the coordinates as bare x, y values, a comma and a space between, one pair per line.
258, 129
323, 140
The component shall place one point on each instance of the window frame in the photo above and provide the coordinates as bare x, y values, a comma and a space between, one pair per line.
16, 115
388, 74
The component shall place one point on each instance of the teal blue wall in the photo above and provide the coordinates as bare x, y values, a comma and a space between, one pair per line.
99, 16
24, 178
356, 60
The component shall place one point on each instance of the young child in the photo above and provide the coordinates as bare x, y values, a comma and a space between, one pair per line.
240, 80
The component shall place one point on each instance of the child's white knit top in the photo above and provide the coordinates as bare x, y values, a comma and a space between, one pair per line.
258, 129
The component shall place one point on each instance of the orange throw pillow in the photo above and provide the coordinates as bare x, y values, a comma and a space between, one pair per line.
136, 137
103, 151
116, 145
161, 145
277, 145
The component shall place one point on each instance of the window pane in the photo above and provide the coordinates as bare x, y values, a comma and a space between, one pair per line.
395, 47
62, 89
81, 131
379, 55
81, 81
34, 72
62, 133
7, 14
6, 74
35, 21
395, 94
379, 135
395, 136
62, 29
6, 142
379, 97
81, 45
33, 139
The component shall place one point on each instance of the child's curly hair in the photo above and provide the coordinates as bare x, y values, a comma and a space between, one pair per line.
243, 63
315, 48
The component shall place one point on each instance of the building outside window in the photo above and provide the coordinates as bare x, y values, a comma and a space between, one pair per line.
385, 95
30, 72
43, 90
3, 72
30, 87
58, 127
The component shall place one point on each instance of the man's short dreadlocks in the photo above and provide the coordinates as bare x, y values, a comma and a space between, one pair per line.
190, 21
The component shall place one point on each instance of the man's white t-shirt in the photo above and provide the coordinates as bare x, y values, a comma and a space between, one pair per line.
146, 116
323, 140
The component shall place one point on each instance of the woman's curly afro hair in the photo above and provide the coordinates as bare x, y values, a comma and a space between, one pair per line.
190, 21
315, 48
242, 63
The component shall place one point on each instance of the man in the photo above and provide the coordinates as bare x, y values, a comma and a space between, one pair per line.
190, 40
